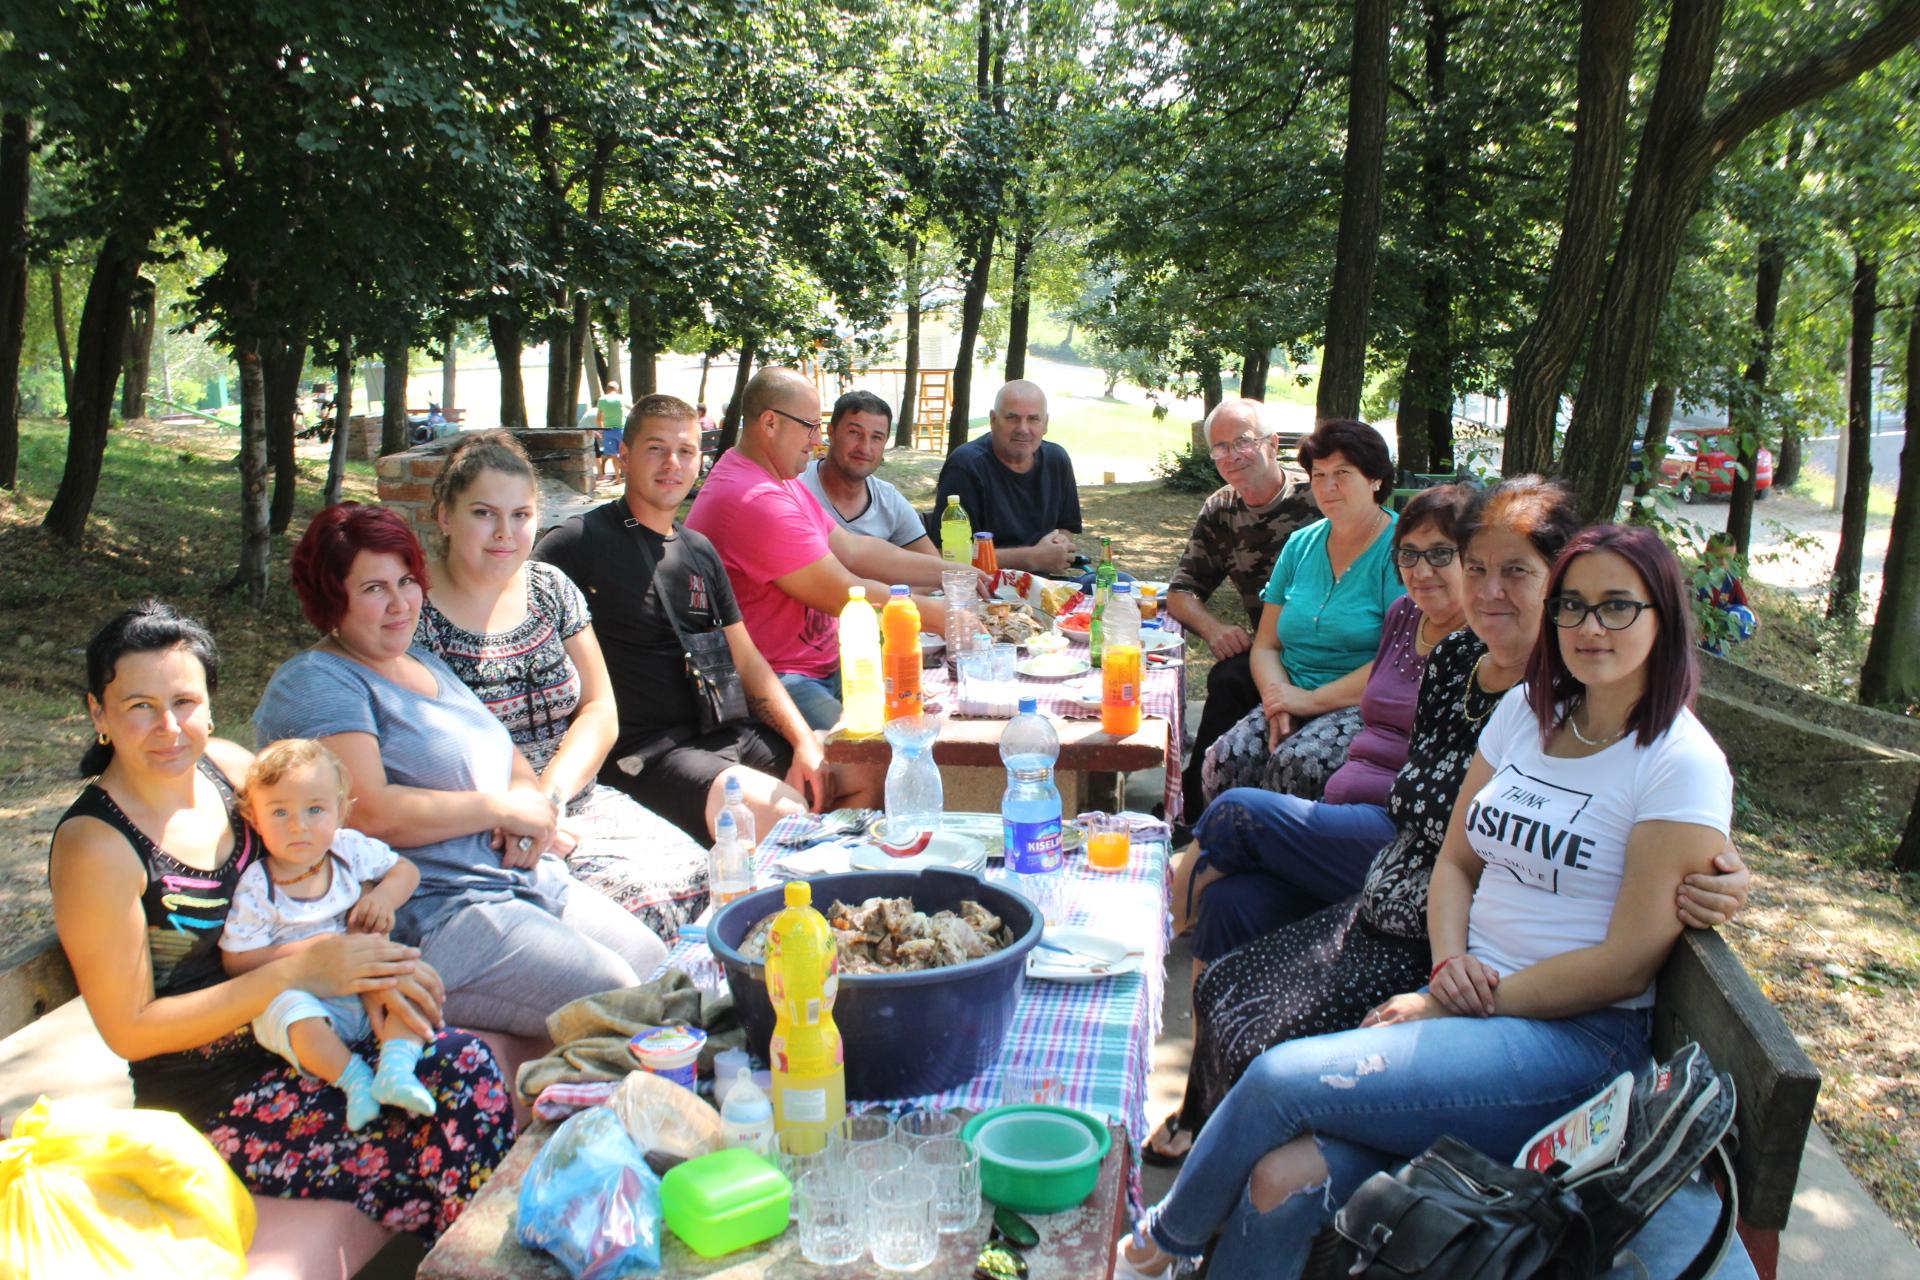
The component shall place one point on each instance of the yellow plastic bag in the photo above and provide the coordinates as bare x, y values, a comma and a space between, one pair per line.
87, 1190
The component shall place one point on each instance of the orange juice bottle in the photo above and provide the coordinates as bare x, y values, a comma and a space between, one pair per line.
1121, 665
900, 653
984, 558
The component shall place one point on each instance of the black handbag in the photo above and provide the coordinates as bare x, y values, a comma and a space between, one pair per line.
1451, 1213
717, 693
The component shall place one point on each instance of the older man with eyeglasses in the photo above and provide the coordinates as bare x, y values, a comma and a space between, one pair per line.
1238, 536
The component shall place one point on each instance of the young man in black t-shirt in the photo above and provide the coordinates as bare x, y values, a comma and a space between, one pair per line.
660, 758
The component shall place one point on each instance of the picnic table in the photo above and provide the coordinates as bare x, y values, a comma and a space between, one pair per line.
1095, 1039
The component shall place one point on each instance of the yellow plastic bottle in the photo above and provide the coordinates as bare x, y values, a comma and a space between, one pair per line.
809, 1064
956, 533
862, 699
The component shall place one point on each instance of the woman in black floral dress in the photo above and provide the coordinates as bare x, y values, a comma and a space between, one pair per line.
143, 868
1324, 973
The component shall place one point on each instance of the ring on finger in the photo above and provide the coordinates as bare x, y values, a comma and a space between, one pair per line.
525, 843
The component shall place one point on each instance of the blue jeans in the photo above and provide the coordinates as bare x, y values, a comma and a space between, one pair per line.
1371, 1098
1282, 859
817, 697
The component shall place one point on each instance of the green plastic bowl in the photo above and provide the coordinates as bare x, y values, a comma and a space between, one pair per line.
1036, 1158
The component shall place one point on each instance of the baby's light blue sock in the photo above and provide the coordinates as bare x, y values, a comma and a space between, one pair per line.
395, 1084
357, 1082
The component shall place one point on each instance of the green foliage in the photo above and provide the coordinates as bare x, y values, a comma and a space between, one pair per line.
1189, 471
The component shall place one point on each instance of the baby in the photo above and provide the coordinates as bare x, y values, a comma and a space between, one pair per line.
311, 883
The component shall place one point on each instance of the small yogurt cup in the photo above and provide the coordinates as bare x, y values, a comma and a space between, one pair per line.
672, 1052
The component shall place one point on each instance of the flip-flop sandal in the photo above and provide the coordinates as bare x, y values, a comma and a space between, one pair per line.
1160, 1159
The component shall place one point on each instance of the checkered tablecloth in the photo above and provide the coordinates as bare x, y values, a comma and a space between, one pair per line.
1096, 1038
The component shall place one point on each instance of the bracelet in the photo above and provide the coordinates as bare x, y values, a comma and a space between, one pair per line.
1435, 971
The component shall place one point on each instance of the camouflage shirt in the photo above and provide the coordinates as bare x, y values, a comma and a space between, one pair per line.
1233, 540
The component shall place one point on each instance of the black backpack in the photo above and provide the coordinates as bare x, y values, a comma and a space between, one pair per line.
1452, 1213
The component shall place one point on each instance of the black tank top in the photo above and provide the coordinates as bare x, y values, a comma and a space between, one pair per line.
186, 908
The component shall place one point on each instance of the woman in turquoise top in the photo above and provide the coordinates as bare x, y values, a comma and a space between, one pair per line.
1325, 604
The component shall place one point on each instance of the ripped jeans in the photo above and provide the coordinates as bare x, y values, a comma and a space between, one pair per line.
1374, 1097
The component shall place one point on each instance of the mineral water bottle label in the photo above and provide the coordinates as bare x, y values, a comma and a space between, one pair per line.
1033, 848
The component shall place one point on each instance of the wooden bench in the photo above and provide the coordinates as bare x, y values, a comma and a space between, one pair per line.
295, 1239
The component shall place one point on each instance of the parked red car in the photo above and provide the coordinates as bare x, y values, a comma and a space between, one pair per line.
1706, 454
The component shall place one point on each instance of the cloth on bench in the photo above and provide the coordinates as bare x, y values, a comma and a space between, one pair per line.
590, 1034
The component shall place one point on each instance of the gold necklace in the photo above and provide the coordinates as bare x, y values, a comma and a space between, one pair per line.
1574, 725
1473, 687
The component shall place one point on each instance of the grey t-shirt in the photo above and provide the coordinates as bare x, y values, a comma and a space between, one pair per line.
888, 515
449, 742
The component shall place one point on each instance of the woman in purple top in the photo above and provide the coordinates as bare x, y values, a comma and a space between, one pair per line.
1265, 859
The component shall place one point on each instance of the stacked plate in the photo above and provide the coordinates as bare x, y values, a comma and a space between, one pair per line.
946, 849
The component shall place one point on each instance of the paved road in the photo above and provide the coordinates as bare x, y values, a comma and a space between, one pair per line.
1886, 455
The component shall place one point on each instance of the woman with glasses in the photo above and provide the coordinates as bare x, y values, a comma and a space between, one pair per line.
1325, 606
1593, 793
517, 632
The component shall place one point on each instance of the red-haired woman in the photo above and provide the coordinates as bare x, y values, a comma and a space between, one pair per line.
437, 776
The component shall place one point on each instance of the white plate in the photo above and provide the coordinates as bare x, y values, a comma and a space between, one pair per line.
946, 849
1058, 966
1054, 666
1152, 639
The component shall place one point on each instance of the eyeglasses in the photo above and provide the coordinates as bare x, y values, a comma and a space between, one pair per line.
1438, 557
1245, 445
1569, 612
813, 428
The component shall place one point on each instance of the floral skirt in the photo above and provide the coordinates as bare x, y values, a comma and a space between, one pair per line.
1306, 759
287, 1136
652, 869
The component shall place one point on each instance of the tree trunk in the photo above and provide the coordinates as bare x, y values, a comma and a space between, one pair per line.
1424, 420
1845, 599
1786, 462
1892, 671
562, 372
507, 354
730, 421
1677, 152
1659, 419
59, 298
141, 318
1021, 308
449, 367
910, 384
256, 539
586, 352
281, 364
1211, 392
972, 305
706, 363
15, 181
102, 341
342, 412
1254, 366
643, 355
1343, 365
1547, 353
393, 398
1750, 427
1907, 856
610, 317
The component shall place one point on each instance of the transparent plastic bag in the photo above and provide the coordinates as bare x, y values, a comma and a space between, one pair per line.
88, 1190
665, 1117
590, 1200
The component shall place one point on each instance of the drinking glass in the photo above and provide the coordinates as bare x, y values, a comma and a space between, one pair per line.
860, 1128
955, 1169
1005, 656
1020, 1084
924, 1125
832, 1217
901, 1234
800, 1151
1109, 842
872, 1160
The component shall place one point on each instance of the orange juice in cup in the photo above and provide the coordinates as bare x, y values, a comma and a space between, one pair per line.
1120, 690
1109, 844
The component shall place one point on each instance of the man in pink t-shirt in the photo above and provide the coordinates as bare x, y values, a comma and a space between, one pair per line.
789, 562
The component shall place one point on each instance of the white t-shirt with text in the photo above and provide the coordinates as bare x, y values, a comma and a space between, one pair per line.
264, 914
1553, 832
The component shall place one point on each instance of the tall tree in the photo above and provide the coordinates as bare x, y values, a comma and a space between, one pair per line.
96, 371
1892, 671
1843, 598
1343, 368
15, 179
980, 224
139, 356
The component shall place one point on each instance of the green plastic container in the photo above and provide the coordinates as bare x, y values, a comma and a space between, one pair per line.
1036, 1158
725, 1201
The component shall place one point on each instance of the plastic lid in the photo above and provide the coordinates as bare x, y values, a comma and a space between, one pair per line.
1123, 588
1029, 705
898, 591
733, 789
724, 827
856, 592
666, 1047
745, 1103
799, 893
982, 534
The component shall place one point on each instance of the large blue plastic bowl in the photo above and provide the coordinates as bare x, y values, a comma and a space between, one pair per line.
905, 1034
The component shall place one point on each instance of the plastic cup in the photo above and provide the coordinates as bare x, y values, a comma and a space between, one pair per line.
927, 1124
1109, 843
901, 1235
955, 1169
832, 1214
1022, 1084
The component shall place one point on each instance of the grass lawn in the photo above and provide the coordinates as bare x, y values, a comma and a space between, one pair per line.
1833, 936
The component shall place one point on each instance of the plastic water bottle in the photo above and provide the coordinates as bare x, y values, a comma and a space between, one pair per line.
729, 870
1030, 810
956, 532
1121, 673
734, 804
805, 1050
862, 701
746, 1117
915, 796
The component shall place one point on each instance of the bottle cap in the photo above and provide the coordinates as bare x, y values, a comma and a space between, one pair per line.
898, 590
1029, 706
1123, 588
733, 790
856, 592
799, 893
724, 827
982, 536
